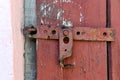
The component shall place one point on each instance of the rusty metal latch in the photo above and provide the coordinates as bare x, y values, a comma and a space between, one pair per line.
67, 35
65, 45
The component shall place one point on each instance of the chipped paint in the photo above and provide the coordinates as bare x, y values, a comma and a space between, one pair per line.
42, 22
42, 7
49, 9
67, 23
55, 1
81, 17
59, 14
66, 1
51, 12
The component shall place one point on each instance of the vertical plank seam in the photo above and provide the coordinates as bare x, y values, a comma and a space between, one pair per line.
108, 25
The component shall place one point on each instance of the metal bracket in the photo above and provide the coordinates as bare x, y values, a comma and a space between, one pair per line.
65, 45
67, 35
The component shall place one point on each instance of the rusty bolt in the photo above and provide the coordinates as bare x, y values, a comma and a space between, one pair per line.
66, 32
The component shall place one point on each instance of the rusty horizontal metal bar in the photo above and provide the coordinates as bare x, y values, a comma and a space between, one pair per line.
93, 34
79, 33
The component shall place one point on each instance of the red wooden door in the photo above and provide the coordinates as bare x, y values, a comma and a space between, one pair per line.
90, 58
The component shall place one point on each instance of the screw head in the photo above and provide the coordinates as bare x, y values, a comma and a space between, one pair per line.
65, 32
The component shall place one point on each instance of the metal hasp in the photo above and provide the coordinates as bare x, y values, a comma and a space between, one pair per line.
65, 45
66, 35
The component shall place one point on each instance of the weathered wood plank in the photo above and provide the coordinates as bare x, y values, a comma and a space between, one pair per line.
115, 47
90, 58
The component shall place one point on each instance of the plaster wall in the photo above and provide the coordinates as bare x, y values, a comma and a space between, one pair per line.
11, 40
6, 41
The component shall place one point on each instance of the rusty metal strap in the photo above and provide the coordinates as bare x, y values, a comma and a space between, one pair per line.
79, 33
67, 35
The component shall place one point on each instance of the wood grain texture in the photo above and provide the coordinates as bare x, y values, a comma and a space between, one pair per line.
47, 61
115, 47
90, 58
47, 50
